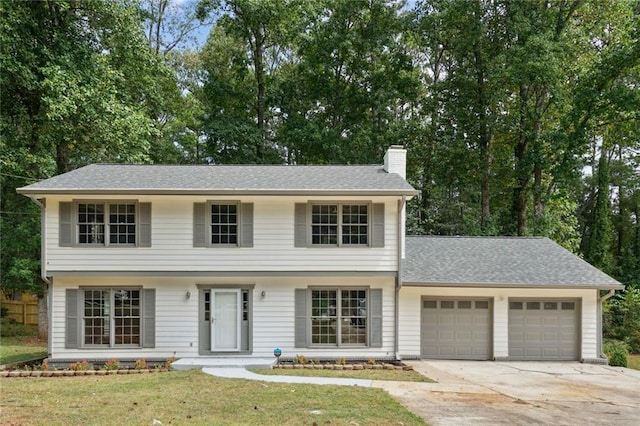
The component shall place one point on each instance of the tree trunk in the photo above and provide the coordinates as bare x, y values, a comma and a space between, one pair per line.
520, 192
62, 158
43, 316
258, 53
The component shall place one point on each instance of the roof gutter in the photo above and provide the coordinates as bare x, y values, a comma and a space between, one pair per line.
210, 192
396, 344
43, 245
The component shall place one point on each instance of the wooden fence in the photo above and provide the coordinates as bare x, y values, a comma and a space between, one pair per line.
25, 312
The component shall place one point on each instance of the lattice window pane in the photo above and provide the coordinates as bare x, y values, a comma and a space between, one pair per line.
96, 317
324, 224
122, 224
354, 317
324, 316
224, 224
127, 317
91, 223
355, 225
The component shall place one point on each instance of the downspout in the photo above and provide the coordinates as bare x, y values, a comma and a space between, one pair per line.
43, 272
601, 300
401, 205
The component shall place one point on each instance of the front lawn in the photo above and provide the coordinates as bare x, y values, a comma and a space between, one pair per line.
19, 342
191, 397
394, 375
633, 361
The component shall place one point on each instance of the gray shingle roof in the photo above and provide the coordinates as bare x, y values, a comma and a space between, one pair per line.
258, 179
498, 261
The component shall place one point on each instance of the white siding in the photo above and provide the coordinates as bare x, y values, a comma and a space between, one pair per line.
177, 316
172, 242
409, 331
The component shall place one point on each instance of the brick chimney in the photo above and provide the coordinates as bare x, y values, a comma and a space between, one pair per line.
395, 160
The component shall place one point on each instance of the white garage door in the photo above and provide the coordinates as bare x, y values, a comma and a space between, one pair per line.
456, 328
545, 329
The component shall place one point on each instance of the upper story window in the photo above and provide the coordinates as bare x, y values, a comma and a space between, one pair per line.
340, 224
105, 223
96, 226
223, 224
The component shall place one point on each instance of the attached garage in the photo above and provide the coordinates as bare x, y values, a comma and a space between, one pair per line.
456, 328
544, 329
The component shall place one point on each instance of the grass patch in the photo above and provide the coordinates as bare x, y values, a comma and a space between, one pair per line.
394, 375
21, 348
192, 397
633, 361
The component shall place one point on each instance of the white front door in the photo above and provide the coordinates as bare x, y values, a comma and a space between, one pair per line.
225, 320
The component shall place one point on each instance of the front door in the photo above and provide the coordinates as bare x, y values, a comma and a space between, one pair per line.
225, 320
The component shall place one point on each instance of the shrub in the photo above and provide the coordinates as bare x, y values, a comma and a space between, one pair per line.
617, 353
80, 366
112, 364
622, 318
341, 361
141, 364
169, 361
10, 328
300, 359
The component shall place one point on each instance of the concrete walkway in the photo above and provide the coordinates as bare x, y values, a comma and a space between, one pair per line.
242, 373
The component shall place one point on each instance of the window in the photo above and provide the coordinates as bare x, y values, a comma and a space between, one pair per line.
96, 227
224, 224
339, 317
112, 317
340, 224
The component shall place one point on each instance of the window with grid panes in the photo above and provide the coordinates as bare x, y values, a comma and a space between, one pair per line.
339, 317
99, 223
340, 224
224, 224
112, 317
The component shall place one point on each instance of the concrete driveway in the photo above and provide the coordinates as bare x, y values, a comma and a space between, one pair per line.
518, 393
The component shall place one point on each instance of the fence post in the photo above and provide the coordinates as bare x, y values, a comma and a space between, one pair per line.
24, 312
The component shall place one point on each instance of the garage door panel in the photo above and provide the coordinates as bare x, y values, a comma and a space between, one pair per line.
543, 330
456, 329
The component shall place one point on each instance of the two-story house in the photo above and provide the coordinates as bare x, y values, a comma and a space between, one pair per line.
154, 261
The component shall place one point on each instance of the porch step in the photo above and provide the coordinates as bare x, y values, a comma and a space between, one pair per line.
222, 362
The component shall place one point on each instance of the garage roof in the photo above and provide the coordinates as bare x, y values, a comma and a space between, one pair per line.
497, 261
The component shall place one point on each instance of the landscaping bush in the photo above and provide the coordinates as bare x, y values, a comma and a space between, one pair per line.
622, 319
10, 328
617, 353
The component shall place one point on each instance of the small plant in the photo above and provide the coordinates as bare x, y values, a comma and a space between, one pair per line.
112, 364
80, 366
371, 361
341, 361
44, 366
617, 353
141, 364
300, 359
169, 361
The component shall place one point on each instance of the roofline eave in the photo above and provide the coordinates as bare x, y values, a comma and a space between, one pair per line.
40, 193
515, 285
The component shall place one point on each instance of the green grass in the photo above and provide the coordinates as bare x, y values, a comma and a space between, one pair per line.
17, 349
194, 398
394, 375
633, 361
